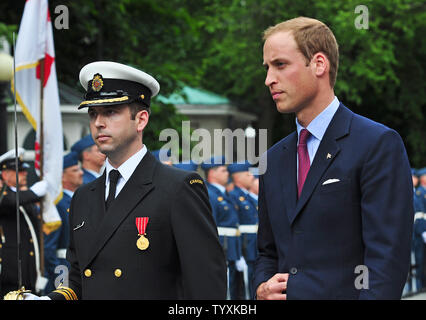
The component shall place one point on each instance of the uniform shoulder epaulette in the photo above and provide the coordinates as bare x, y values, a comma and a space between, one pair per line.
192, 181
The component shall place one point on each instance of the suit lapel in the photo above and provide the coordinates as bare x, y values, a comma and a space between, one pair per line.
287, 167
138, 186
97, 207
324, 157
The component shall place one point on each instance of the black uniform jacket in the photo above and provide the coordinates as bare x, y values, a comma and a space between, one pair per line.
184, 259
8, 240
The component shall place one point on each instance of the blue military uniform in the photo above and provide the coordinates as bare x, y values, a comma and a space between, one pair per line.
419, 228
227, 221
249, 219
188, 166
78, 148
421, 190
56, 243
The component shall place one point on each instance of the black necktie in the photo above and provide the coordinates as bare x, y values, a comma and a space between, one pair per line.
113, 178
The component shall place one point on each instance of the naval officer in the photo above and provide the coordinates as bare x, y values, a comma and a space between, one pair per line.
143, 230
29, 224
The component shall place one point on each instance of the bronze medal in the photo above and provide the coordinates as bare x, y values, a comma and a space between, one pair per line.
142, 243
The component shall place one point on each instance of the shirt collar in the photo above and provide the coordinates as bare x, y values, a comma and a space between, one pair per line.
320, 123
220, 187
94, 173
128, 167
68, 192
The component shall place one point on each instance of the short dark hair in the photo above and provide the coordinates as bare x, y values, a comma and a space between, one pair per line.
135, 107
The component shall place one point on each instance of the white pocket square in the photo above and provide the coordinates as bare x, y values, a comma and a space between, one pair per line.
330, 181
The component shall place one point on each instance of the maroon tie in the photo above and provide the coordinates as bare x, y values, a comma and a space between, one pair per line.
303, 156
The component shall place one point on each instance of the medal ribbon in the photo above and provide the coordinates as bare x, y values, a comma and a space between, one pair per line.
141, 223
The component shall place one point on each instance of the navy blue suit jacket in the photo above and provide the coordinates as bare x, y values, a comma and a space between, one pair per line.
364, 219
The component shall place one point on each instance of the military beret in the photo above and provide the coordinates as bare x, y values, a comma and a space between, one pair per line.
188, 166
7, 160
110, 83
71, 159
164, 153
421, 171
213, 162
239, 167
82, 144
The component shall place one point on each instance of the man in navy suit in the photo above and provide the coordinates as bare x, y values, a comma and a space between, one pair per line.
336, 200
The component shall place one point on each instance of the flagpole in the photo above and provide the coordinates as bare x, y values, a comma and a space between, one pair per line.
18, 221
41, 62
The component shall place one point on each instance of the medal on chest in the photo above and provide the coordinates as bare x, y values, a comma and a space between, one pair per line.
142, 243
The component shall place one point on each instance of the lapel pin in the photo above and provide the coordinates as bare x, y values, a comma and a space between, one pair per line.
328, 156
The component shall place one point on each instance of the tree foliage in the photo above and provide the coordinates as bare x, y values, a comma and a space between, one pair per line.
216, 45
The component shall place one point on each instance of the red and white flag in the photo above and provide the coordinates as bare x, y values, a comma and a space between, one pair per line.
34, 43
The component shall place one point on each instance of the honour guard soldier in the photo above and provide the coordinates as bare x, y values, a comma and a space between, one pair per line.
143, 230
189, 166
29, 224
92, 160
421, 189
248, 217
56, 243
164, 157
226, 217
419, 228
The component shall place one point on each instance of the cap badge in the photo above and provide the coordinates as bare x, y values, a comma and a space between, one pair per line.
97, 82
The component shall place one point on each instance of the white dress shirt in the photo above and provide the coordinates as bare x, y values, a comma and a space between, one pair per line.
126, 170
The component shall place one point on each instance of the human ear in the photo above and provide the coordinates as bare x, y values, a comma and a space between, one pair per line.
142, 118
320, 64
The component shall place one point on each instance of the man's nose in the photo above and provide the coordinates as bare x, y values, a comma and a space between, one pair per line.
99, 121
270, 78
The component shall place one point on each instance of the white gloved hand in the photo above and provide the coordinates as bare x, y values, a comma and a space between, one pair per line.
241, 264
30, 296
424, 236
39, 188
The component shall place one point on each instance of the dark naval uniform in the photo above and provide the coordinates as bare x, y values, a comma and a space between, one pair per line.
8, 240
226, 217
184, 259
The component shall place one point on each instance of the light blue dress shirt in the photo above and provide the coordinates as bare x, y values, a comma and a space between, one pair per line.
317, 128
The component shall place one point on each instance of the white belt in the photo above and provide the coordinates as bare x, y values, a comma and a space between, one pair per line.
229, 232
61, 253
419, 215
248, 228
